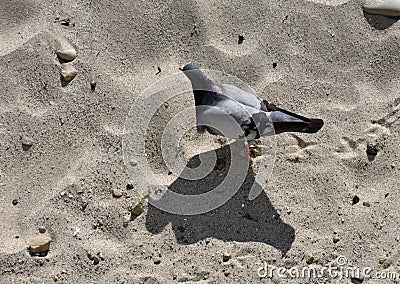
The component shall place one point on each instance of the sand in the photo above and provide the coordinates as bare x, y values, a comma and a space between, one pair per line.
332, 61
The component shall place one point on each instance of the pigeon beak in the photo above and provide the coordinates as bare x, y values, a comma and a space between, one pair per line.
181, 69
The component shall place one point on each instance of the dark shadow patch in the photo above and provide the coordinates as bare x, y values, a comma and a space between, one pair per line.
380, 22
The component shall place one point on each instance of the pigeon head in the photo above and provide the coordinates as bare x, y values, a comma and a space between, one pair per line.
198, 79
189, 66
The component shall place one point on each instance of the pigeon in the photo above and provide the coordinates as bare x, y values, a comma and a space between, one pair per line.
223, 109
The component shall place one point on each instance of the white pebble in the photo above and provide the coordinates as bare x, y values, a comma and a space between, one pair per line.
382, 7
68, 54
77, 230
68, 72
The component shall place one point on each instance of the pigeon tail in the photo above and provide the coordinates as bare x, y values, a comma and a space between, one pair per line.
310, 126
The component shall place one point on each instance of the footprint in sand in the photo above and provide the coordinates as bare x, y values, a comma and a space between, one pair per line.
352, 148
304, 149
392, 117
349, 148
19, 21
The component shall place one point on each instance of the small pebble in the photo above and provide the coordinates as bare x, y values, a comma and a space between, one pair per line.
68, 72
335, 239
84, 204
66, 54
382, 259
366, 204
240, 39
372, 149
117, 193
65, 22
93, 85
39, 244
96, 260
309, 259
27, 142
133, 163
387, 263
358, 280
355, 200
157, 261
76, 232
42, 229
129, 186
100, 255
227, 273
15, 202
138, 207
226, 257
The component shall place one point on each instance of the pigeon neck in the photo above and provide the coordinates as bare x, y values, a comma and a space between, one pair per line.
200, 81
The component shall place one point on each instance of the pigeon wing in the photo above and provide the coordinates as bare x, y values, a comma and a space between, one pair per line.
227, 117
243, 97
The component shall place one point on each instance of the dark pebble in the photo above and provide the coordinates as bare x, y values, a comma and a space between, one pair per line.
387, 263
372, 149
240, 39
65, 22
366, 204
84, 204
129, 186
15, 202
93, 85
226, 257
358, 280
96, 260
157, 261
356, 199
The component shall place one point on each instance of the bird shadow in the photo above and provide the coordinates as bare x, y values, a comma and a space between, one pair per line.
239, 219
380, 22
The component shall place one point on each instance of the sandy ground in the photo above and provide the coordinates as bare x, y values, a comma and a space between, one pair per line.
332, 62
